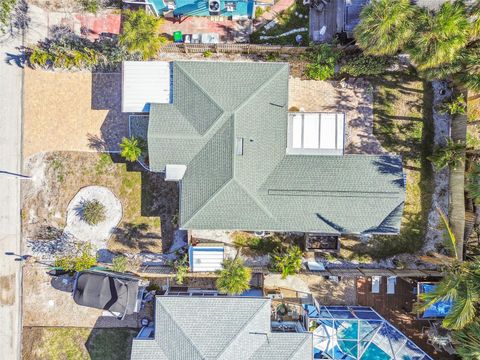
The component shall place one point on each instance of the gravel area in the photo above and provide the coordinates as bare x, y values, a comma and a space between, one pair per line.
435, 232
97, 234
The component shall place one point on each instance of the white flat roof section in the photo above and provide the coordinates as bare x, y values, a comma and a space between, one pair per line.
206, 258
316, 133
144, 83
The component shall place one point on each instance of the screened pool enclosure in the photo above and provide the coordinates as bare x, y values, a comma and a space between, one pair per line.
357, 332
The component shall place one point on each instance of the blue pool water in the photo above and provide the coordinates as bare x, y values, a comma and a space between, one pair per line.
438, 310
243, 8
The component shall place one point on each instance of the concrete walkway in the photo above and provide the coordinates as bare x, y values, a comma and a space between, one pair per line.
276, 9
10, 163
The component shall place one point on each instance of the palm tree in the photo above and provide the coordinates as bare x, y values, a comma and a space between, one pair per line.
441, 37
385, 26
132, 148
235, 277
467, 341
461, 285
288, 262
141, 33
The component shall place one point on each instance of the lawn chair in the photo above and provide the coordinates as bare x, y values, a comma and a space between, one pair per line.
391, 282
376, 284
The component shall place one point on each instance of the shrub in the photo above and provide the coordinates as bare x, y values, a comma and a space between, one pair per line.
456, 106
6, 9
207, 54
322, 61
473, 183
259, 11
451, 154
91, 6
287, 261
132, 148
93, 212
235, 277
181, 267
120, 263
366, 65
79, 260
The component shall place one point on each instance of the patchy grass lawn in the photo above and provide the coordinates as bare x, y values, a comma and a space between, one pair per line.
403, 124
77, 343
149, 203
287, 20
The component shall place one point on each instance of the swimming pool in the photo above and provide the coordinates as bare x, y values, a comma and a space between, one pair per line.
440, 309
357, 332
233, 8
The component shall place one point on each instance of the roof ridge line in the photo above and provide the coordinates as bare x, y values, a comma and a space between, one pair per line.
298, 346
179, 328
266, 302
195, 82
255, 200
261, 87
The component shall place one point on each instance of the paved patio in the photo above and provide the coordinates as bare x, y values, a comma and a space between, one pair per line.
72, 111
228, 30
353, 99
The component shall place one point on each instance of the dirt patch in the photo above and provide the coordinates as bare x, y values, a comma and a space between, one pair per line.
76, 343
149, 203
48, 303
72, 111
7, 290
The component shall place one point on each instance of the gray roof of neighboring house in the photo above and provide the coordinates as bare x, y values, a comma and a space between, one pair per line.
264, 189
224, 328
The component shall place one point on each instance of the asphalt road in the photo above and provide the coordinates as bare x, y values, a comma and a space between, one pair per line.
10, 164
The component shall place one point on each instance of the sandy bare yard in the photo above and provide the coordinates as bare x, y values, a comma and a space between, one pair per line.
44, 305
72, 111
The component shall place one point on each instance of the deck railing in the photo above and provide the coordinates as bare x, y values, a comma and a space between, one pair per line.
232, 48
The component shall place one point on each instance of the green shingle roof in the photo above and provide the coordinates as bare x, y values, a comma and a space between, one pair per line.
218, 328
214, 103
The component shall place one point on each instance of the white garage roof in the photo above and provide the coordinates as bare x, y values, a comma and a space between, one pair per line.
205, 258
145, 82
316, 133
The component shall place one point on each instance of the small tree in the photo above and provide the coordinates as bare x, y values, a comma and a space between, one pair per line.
141, 33
288, 261
449, 155
181, 267
456, 106
120, 263
93, 212
80, 259
132, 148
234, 278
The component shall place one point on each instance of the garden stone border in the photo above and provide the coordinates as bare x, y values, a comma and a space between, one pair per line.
95, 234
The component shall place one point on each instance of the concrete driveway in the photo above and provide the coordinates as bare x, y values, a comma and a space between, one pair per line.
10, 163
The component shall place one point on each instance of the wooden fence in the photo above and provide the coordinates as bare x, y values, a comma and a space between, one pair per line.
232, 48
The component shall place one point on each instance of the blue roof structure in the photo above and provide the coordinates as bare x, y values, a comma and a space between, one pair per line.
359, 333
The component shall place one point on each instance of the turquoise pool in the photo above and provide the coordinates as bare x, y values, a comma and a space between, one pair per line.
240, 8
357, 332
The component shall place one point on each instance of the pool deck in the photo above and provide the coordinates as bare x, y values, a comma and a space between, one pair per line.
397, 308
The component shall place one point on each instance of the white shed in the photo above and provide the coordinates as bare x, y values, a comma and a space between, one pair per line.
205, 258
144, 83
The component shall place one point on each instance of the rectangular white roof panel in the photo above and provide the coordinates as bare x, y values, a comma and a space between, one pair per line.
316, 133
144, 83
205, 258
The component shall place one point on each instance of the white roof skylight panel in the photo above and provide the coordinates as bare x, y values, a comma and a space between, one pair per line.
311, 138
297, 131
328, 129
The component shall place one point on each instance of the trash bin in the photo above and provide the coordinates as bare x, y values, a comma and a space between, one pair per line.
177, 37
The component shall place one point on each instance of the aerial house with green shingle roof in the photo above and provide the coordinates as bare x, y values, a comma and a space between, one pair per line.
245, 163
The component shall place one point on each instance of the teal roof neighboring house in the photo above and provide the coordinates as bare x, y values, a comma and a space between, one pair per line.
228, 125
224, 328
